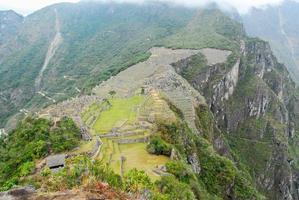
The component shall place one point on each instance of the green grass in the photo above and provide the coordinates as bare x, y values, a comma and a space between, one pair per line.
195, 66
115, 159
84, 147
294, 151
122, 110
137, 157
107, 149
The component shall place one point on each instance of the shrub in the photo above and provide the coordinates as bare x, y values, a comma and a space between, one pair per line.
158, 146
46, 172
80, 170
137, 181
26, 168
175, 190
180, 171
9, 184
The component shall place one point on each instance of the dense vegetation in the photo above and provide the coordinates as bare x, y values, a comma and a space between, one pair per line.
158, 146
82, 171
218, 174
31, 140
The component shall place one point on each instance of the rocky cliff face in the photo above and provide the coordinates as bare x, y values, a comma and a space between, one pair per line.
253, 100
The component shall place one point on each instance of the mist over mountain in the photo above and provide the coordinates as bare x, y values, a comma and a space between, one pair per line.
277, 25
244, 6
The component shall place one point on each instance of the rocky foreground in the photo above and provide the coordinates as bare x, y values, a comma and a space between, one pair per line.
100, 192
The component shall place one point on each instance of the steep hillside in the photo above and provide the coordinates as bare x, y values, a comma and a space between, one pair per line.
276, 24
10, 23
254, 101
52, 64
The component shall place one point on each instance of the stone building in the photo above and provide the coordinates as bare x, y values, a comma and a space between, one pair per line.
56, 162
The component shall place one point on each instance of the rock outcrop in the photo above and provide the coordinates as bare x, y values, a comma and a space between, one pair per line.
103, 192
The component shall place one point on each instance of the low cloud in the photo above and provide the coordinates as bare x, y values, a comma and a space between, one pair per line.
242, 6
28, 6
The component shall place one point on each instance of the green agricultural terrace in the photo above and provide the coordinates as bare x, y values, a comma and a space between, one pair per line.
124, 131
121, 111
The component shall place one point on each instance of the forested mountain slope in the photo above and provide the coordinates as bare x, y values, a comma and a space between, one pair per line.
9, 25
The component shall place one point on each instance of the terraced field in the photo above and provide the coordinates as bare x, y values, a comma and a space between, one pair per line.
121, 111
136, 155
124, 126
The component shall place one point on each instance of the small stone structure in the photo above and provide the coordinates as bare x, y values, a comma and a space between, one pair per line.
133, 141
122, 162
56, 162
161, 171
85, 134
124, 134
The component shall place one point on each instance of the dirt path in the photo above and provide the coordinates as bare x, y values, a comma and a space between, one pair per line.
54, 45
47, 97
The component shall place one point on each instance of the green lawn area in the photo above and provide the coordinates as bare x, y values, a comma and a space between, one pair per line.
84, 147
122, 110
106, 150
137, 157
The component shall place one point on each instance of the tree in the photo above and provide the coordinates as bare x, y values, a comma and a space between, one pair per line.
136, 181
158, 146
112, 93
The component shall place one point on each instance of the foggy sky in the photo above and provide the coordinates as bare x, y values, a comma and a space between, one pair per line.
28, 6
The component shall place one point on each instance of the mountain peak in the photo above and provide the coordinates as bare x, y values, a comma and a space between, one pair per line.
10, 22
10, 13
